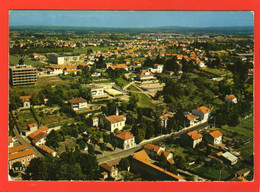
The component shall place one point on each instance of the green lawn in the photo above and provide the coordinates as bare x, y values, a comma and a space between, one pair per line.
245, 128
24, 118
211, 172
121, 81
216, 71
13, 60
132, 88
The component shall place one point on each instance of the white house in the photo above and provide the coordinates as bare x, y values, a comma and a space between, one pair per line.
111, 170
157, 68
78, 103
26, 100
145, 75
126, 140
192, 119
231, 98
95, 121
215, 137
232, 159
203, 113
114, 122
31, 128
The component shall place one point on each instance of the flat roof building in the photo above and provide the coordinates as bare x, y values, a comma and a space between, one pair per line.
23, 75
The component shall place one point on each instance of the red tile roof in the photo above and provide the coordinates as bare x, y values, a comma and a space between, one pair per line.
152, 147
77, 100
18, 148
10, 139
25, 98
215, 134
39, 136
191, 117
20, 154
125, 135
141, 155
32, 125
115, 118
194, 135
204, 109
46, 149
230, 97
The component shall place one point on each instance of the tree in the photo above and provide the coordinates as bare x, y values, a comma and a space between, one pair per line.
124, 164
91, 149
17, 166
21, 62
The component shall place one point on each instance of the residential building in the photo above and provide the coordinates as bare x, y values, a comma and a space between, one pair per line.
78, 103
23, 75
38, 136
30, 129
114, 122
228, 157
145, 75
191, 139
95, 121
192, 119
21, 153
46, 150
165, 118
231, 98
109, 169
214, 137
125, 140
242, 173
26, 101
10, 142
203, 113
63, 59
141, 163
97, 92
157, 68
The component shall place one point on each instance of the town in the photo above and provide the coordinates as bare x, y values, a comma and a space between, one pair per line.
128, 106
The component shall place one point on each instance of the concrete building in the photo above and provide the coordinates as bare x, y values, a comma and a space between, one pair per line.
63, 59
229, 158
23, 75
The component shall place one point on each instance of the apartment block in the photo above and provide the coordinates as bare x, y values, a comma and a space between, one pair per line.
23, 75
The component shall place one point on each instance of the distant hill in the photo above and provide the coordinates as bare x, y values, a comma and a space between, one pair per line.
164, 29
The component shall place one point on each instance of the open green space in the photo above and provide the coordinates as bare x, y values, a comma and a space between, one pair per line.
121, 81
24, 118
245, 128
211, 172
132, 88
217, 72
52, 118
14, 60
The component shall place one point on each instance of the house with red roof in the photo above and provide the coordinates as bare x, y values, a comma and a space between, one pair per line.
203, 113
191, 139
141, 163
191, 119
114, 122
214, 137
10, 142
78, 103
21, 153
26, 100
231, 98
38, 137
145, 75
30, 129
125, 140
109, 169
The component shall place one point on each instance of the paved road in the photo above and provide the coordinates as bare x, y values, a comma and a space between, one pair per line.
162, 138
22, 141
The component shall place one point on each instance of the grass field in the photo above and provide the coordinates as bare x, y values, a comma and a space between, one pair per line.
216, 71
143, 100
13, 60
245, 128
211, 172
121, 81
24, 118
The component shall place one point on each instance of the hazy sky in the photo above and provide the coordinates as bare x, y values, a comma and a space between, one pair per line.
132, 18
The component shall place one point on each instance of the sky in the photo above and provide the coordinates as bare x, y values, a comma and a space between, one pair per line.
132, 18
